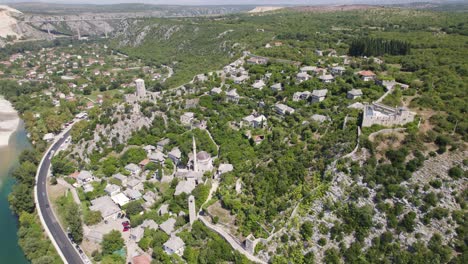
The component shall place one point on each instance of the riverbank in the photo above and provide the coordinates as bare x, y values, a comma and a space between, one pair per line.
9, 121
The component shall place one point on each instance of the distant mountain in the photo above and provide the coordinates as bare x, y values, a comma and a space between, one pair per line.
149, 10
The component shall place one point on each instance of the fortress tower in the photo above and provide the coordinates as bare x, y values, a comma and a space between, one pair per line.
192, 212
195, 162
140, 88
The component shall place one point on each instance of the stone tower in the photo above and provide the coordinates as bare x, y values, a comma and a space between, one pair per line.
195, 162
192, 212
250, 244
140, 88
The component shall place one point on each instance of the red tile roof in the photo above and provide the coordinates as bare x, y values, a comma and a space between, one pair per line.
367, 73
142, 259
144, 162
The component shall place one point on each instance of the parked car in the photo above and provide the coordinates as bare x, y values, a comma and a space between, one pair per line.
126, 228
126, 223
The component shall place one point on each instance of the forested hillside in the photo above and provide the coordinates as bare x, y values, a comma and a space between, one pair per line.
198, 45
374, 218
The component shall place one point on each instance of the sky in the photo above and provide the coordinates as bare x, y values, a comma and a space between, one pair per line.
225, 2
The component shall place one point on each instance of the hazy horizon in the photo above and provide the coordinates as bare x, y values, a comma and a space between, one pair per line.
225, 2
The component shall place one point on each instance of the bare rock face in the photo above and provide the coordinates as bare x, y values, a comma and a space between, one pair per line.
12, 27
9, 18
46, 21
118, 132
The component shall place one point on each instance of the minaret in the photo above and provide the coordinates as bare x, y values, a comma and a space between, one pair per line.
195, 162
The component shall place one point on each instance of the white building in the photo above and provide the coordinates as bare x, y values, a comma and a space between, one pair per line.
48, 137
106, 206
302, 76
137, 233
150, 224
259, 84
135, 184
204, 161
112, 189
240, 79
354, 93
175, 245
157, 157
120, 199
277, 87
84, 177
255, 121
216, 90
283, 109
326, 78
338, 70
298, 96
168, 226
120, 177
133, 194
232, 96
319, 95
133, 169
88, 187
175, 155
224, 168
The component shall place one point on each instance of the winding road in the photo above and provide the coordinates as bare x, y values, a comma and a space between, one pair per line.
57, 235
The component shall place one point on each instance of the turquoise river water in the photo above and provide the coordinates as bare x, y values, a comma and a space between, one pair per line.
10, 251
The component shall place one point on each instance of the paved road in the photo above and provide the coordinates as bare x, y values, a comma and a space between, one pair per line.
65, 246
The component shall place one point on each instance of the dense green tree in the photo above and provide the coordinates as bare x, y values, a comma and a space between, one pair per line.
332, 256
307, 229
407, 223
92, 217
111, 242
378, 47
21, 199
133, 155
133, 208
456, 172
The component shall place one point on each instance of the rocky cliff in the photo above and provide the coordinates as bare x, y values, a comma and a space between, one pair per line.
31, 21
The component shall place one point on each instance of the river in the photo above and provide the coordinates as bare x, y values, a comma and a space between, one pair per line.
10, 251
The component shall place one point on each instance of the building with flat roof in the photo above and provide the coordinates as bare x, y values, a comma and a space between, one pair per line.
120, 199
106, 206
